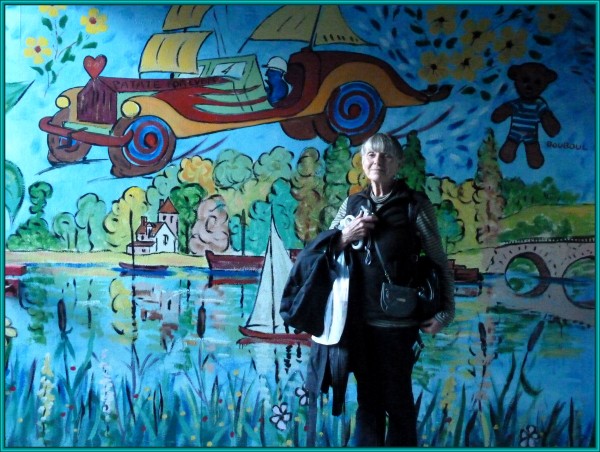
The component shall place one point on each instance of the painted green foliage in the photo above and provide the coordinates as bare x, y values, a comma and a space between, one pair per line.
413, 165
34, 234
303, 201
50, 56
186, 199
14, 188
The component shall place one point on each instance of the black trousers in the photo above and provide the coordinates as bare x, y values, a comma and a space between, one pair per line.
382, 360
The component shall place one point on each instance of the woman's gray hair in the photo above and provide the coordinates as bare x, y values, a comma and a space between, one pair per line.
382, 142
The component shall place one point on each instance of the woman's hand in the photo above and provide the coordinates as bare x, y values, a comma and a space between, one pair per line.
357, 229
431, 326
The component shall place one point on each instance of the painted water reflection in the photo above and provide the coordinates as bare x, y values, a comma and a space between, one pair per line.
140, 360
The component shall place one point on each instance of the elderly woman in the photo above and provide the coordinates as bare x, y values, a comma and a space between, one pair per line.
381, 348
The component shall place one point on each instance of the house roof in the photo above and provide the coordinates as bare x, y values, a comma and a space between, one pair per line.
155, 227
167, 207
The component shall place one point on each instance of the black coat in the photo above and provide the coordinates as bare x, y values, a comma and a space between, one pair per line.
309, 284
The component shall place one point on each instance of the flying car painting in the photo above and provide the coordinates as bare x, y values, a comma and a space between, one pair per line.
141, 119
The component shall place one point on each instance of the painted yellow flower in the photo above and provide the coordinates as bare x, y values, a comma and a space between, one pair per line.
552, 18
37, 49
511, 44
478, 34
467, 65
9, 331
52, 10
434, 67
94, 22
442, 19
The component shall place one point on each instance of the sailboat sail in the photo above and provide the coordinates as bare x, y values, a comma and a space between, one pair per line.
176, 52
185, 16
314, 24
173, 52
265, 316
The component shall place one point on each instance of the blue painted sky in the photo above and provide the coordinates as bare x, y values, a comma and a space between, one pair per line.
450, 147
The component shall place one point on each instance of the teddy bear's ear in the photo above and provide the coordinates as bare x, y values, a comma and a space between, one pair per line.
550, 75
513, 71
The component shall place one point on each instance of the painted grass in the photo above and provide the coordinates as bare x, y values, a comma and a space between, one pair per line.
206, 405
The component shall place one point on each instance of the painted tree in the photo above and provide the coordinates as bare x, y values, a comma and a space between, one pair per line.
89, 218
412, 169
242, 182
186, 200
257, 230
433, 189
280, 206
466, 206
65, 228
488, 196
200, 171
452, 228
519, 195
356, 176
211, 229
307, 189
284, 205
34, 234
337, 158
233, 174
161, 187
124, 218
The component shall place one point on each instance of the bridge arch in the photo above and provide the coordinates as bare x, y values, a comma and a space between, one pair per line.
541, 267
552, 256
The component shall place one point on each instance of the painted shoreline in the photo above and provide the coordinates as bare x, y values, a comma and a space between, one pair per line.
102, 257
471, 259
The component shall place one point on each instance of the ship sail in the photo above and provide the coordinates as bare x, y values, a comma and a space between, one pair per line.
314, 24
176, 52
185, 16
265, 317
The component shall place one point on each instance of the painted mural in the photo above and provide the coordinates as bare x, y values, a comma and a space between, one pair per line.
163, 165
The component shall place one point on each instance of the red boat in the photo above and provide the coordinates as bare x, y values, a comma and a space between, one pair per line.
232, 262
15, 269
253, 337
463, 274
237, 262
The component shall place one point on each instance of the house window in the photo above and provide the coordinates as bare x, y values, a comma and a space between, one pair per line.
165, 239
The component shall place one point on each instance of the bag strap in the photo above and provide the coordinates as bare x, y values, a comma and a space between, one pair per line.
387, 275
411, 220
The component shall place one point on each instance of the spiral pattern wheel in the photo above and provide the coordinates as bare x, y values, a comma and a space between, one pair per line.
150, 149
64, 149
356, 110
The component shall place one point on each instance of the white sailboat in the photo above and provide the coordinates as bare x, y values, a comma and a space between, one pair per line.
265, 323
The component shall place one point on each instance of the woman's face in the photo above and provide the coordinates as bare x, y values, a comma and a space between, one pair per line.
380, 167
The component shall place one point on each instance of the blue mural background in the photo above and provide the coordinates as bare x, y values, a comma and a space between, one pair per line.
82, 368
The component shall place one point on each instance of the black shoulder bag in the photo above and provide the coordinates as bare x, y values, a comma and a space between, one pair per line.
420, 300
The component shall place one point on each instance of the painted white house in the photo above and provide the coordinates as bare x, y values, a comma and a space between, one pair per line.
160, 236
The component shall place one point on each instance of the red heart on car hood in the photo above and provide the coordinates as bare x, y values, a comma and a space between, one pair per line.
94, 66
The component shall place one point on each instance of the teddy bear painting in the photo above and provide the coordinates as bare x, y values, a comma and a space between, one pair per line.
526, 112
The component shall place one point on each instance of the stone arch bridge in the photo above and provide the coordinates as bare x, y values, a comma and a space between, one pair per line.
551, 256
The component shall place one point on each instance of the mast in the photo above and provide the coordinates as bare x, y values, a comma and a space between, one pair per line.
243, 224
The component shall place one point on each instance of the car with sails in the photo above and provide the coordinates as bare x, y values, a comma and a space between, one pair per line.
140, 119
